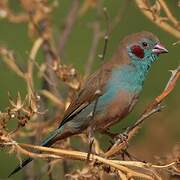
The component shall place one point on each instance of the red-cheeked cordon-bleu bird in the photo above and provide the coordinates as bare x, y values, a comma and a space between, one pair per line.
117, 85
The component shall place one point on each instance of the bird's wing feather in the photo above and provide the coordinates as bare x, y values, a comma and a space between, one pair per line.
88, 93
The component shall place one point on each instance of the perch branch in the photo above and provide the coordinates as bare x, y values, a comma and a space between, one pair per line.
152, 108
155, 18
76, 155
122, 166
168, 13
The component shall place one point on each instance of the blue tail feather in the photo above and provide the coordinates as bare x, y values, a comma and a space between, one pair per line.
46, 143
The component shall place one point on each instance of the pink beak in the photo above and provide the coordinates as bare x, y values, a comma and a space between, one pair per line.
159, 49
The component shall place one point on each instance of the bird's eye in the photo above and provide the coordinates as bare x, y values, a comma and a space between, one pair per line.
144, 44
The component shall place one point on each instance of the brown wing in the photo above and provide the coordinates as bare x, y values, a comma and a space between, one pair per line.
88, 93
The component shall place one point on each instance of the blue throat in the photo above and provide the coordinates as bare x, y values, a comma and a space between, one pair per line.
127, 78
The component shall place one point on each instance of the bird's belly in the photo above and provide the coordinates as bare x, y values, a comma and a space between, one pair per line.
110, 109
116, 110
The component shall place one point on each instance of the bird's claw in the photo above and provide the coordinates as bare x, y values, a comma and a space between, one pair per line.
122, 137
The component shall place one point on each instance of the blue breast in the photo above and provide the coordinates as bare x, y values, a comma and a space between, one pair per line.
125, 78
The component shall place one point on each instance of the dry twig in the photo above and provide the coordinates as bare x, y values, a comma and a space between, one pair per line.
153, 15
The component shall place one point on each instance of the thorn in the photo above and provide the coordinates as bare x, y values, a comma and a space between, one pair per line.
105, 9
106, 37
100, 56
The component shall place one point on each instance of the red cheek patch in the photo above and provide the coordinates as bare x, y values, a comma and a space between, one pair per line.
137, 51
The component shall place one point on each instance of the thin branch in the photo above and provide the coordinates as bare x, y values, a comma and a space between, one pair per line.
76, 155
97, 34
151, 109
53, 98
29, 75
69, 22
155, 18
9, 59
168, 13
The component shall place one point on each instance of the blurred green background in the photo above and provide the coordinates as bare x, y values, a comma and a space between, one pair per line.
162, 131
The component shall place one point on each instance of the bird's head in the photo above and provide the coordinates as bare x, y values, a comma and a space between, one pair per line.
143, 48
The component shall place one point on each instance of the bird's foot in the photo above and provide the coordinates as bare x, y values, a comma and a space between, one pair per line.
91, 141
123, 137
90, 149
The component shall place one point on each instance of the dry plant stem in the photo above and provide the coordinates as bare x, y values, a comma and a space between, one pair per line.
152, 108
176, 43
122, 176
168, 13
143, 6
9, 59
120, 145
29, 75
145, 116
144, 165
59, 153
169, 87
41, 26
50, 57
43, 29
69, 22
7, 13
36, 46
77, 155
53, 98
98, 91
119, 165
97, 34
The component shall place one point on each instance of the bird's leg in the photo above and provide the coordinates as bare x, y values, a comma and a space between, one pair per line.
90, 132
122, 137
125, 152
132, 157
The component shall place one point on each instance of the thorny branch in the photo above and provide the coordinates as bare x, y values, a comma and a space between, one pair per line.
76, 155
97, 160
152, 108
122, 166
153, 13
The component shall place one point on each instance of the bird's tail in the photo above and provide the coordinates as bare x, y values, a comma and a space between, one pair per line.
46, 143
